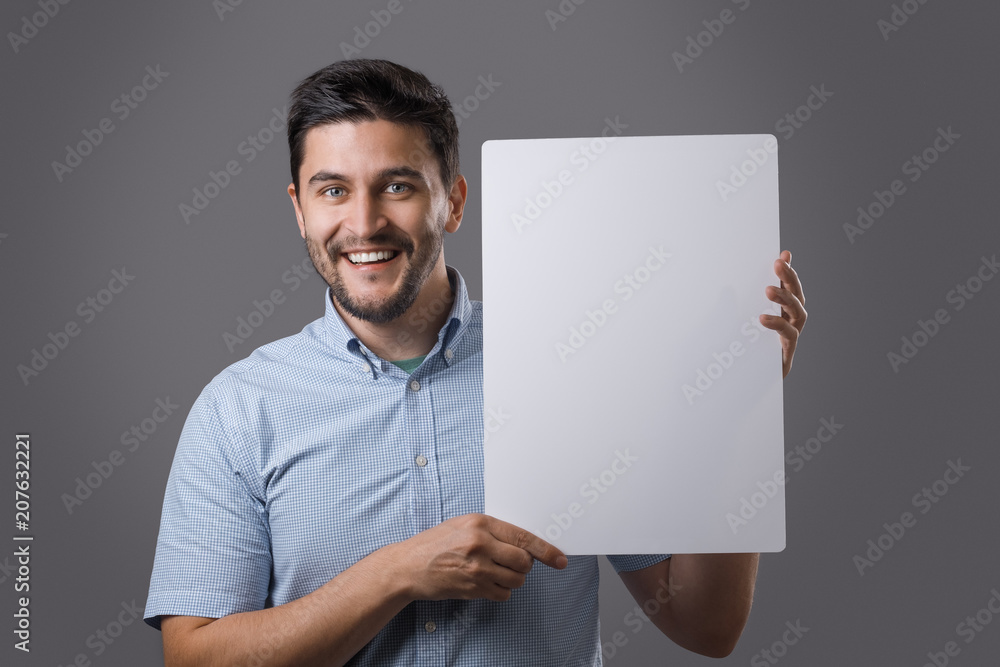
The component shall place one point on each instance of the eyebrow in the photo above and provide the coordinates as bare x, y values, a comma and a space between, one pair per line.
389, 172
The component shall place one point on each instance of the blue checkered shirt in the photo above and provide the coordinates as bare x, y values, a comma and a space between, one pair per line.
313, 452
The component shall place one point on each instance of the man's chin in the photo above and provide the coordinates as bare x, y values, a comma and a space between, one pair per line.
374, 310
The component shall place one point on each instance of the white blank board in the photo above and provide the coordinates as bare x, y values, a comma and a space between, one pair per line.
633, 401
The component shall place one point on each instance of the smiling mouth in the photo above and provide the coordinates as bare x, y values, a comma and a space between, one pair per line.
359, 258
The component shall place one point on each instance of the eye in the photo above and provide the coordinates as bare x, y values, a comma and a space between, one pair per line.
398, 188
335, 191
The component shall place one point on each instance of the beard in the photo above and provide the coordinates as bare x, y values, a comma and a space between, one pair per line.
379, 310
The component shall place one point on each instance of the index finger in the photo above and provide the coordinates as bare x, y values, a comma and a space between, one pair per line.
534, 545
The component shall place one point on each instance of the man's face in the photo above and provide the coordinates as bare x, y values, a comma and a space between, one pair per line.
373, 212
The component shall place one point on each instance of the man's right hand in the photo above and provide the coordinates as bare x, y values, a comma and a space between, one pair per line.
473, 556
470, 556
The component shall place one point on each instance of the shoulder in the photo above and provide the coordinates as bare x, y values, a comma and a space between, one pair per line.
470, 331
271, 367
476, 316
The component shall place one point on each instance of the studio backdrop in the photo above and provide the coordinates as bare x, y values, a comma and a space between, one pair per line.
147, 242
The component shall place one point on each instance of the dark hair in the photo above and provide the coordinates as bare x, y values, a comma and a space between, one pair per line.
365, 90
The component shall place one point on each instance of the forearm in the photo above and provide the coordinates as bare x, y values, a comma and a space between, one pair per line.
325, 627
713, 599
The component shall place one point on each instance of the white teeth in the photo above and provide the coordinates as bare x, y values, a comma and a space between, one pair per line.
368, 257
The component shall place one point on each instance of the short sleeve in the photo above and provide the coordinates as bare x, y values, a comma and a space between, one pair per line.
631, 563
213, 554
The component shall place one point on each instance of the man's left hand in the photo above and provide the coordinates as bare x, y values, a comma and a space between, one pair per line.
793, 313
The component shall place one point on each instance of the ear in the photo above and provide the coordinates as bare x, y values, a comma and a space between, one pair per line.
298, 209
456, 200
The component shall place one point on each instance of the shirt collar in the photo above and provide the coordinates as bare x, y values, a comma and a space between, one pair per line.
342, 337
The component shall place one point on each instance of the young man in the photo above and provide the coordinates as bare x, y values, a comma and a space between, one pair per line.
325, 501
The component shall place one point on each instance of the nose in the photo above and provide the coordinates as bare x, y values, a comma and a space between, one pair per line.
366, 217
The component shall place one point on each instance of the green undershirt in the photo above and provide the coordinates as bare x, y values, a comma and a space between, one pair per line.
410, 365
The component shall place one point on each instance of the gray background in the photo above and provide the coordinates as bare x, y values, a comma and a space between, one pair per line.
162, 336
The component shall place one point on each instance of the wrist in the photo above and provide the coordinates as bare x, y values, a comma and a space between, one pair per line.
396, 576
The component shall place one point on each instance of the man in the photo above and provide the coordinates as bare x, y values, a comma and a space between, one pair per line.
325, 501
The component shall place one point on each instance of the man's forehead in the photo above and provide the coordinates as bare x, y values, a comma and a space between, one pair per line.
368, 147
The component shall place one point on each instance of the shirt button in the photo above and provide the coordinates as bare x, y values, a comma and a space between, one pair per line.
367, 368
421, 460
448, 354
415, 386
430, 626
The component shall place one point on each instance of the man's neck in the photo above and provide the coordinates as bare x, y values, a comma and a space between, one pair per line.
415, 332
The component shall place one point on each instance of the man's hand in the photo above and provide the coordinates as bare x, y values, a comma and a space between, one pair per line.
793, 313
473, 556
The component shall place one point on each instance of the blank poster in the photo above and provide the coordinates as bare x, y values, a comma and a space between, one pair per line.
633, 400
